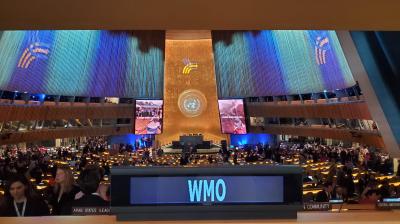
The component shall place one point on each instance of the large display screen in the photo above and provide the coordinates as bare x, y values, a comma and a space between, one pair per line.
232, 116
278, 62
206, 190
96, 63
148, 117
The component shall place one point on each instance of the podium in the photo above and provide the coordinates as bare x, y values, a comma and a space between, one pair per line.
197, 141
191, 139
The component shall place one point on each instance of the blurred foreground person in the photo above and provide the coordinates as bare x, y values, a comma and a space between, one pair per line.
20, 200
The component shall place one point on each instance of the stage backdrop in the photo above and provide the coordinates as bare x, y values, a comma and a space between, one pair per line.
190, 91
131, 63
279, 62
83, 62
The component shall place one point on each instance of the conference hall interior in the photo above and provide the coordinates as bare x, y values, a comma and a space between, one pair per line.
199, 112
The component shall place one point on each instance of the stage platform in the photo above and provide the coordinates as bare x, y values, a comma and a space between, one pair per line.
169, 150
351, 217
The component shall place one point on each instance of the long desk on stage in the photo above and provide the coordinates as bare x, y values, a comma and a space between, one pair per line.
196, 141
193, 139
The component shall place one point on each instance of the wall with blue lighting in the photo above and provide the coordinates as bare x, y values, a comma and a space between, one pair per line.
83, 62
252, 139
130, 139
283, 62
131, 63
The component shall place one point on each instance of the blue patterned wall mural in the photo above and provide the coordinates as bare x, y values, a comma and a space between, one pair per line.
83, 63
131, 63
268, 63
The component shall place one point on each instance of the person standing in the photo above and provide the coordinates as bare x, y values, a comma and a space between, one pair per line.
88, 181
64, 190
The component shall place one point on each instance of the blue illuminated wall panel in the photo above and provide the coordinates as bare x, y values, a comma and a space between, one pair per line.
83, 62
131, 139
252, 139
284, 62
131, 63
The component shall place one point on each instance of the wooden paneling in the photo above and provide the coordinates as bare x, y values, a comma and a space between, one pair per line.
349, 217
47, 112
349, 110
364, 137
200, 14
201, 81
188, 34
39, 135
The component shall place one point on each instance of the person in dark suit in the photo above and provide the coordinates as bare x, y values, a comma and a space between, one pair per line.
343, 156
20, 200
326, 194
88, 181
398, 168
339, 193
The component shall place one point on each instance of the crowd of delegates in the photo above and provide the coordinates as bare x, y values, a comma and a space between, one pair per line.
20, 199
76, 176
344, 165
23, 172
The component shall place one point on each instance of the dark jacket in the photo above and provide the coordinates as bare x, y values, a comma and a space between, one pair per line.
322, 196
34, 207
65, 200
88, 200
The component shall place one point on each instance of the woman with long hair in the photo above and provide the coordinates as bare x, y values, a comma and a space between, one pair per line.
64, 190
20, 200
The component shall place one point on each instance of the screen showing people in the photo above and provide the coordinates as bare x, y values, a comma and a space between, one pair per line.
232, 116
148, 117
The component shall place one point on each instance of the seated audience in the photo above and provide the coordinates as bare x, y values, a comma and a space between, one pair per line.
326, 194
349, 173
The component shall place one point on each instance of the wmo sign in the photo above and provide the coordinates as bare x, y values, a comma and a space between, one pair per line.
198, 193
206, 190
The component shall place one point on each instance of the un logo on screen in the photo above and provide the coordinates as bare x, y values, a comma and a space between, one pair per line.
192, 103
